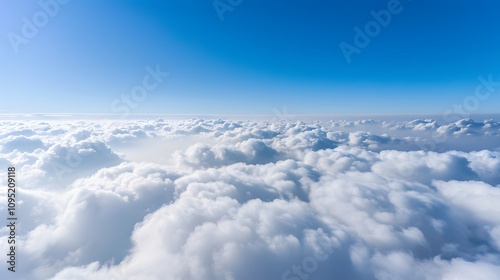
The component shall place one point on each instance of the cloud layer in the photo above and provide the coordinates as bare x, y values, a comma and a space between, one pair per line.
216, 199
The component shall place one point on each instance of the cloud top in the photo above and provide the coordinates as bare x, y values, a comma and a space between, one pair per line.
256, 200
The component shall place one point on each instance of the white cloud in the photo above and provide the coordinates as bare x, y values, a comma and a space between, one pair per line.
255, 200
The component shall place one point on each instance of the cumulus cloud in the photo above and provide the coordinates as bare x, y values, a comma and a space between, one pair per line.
364, 199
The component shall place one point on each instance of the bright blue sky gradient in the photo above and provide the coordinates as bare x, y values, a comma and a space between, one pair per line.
263, 55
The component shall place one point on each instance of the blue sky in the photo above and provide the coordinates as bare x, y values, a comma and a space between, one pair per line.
263, 55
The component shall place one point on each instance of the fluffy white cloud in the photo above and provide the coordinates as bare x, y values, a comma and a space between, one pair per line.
363, 199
